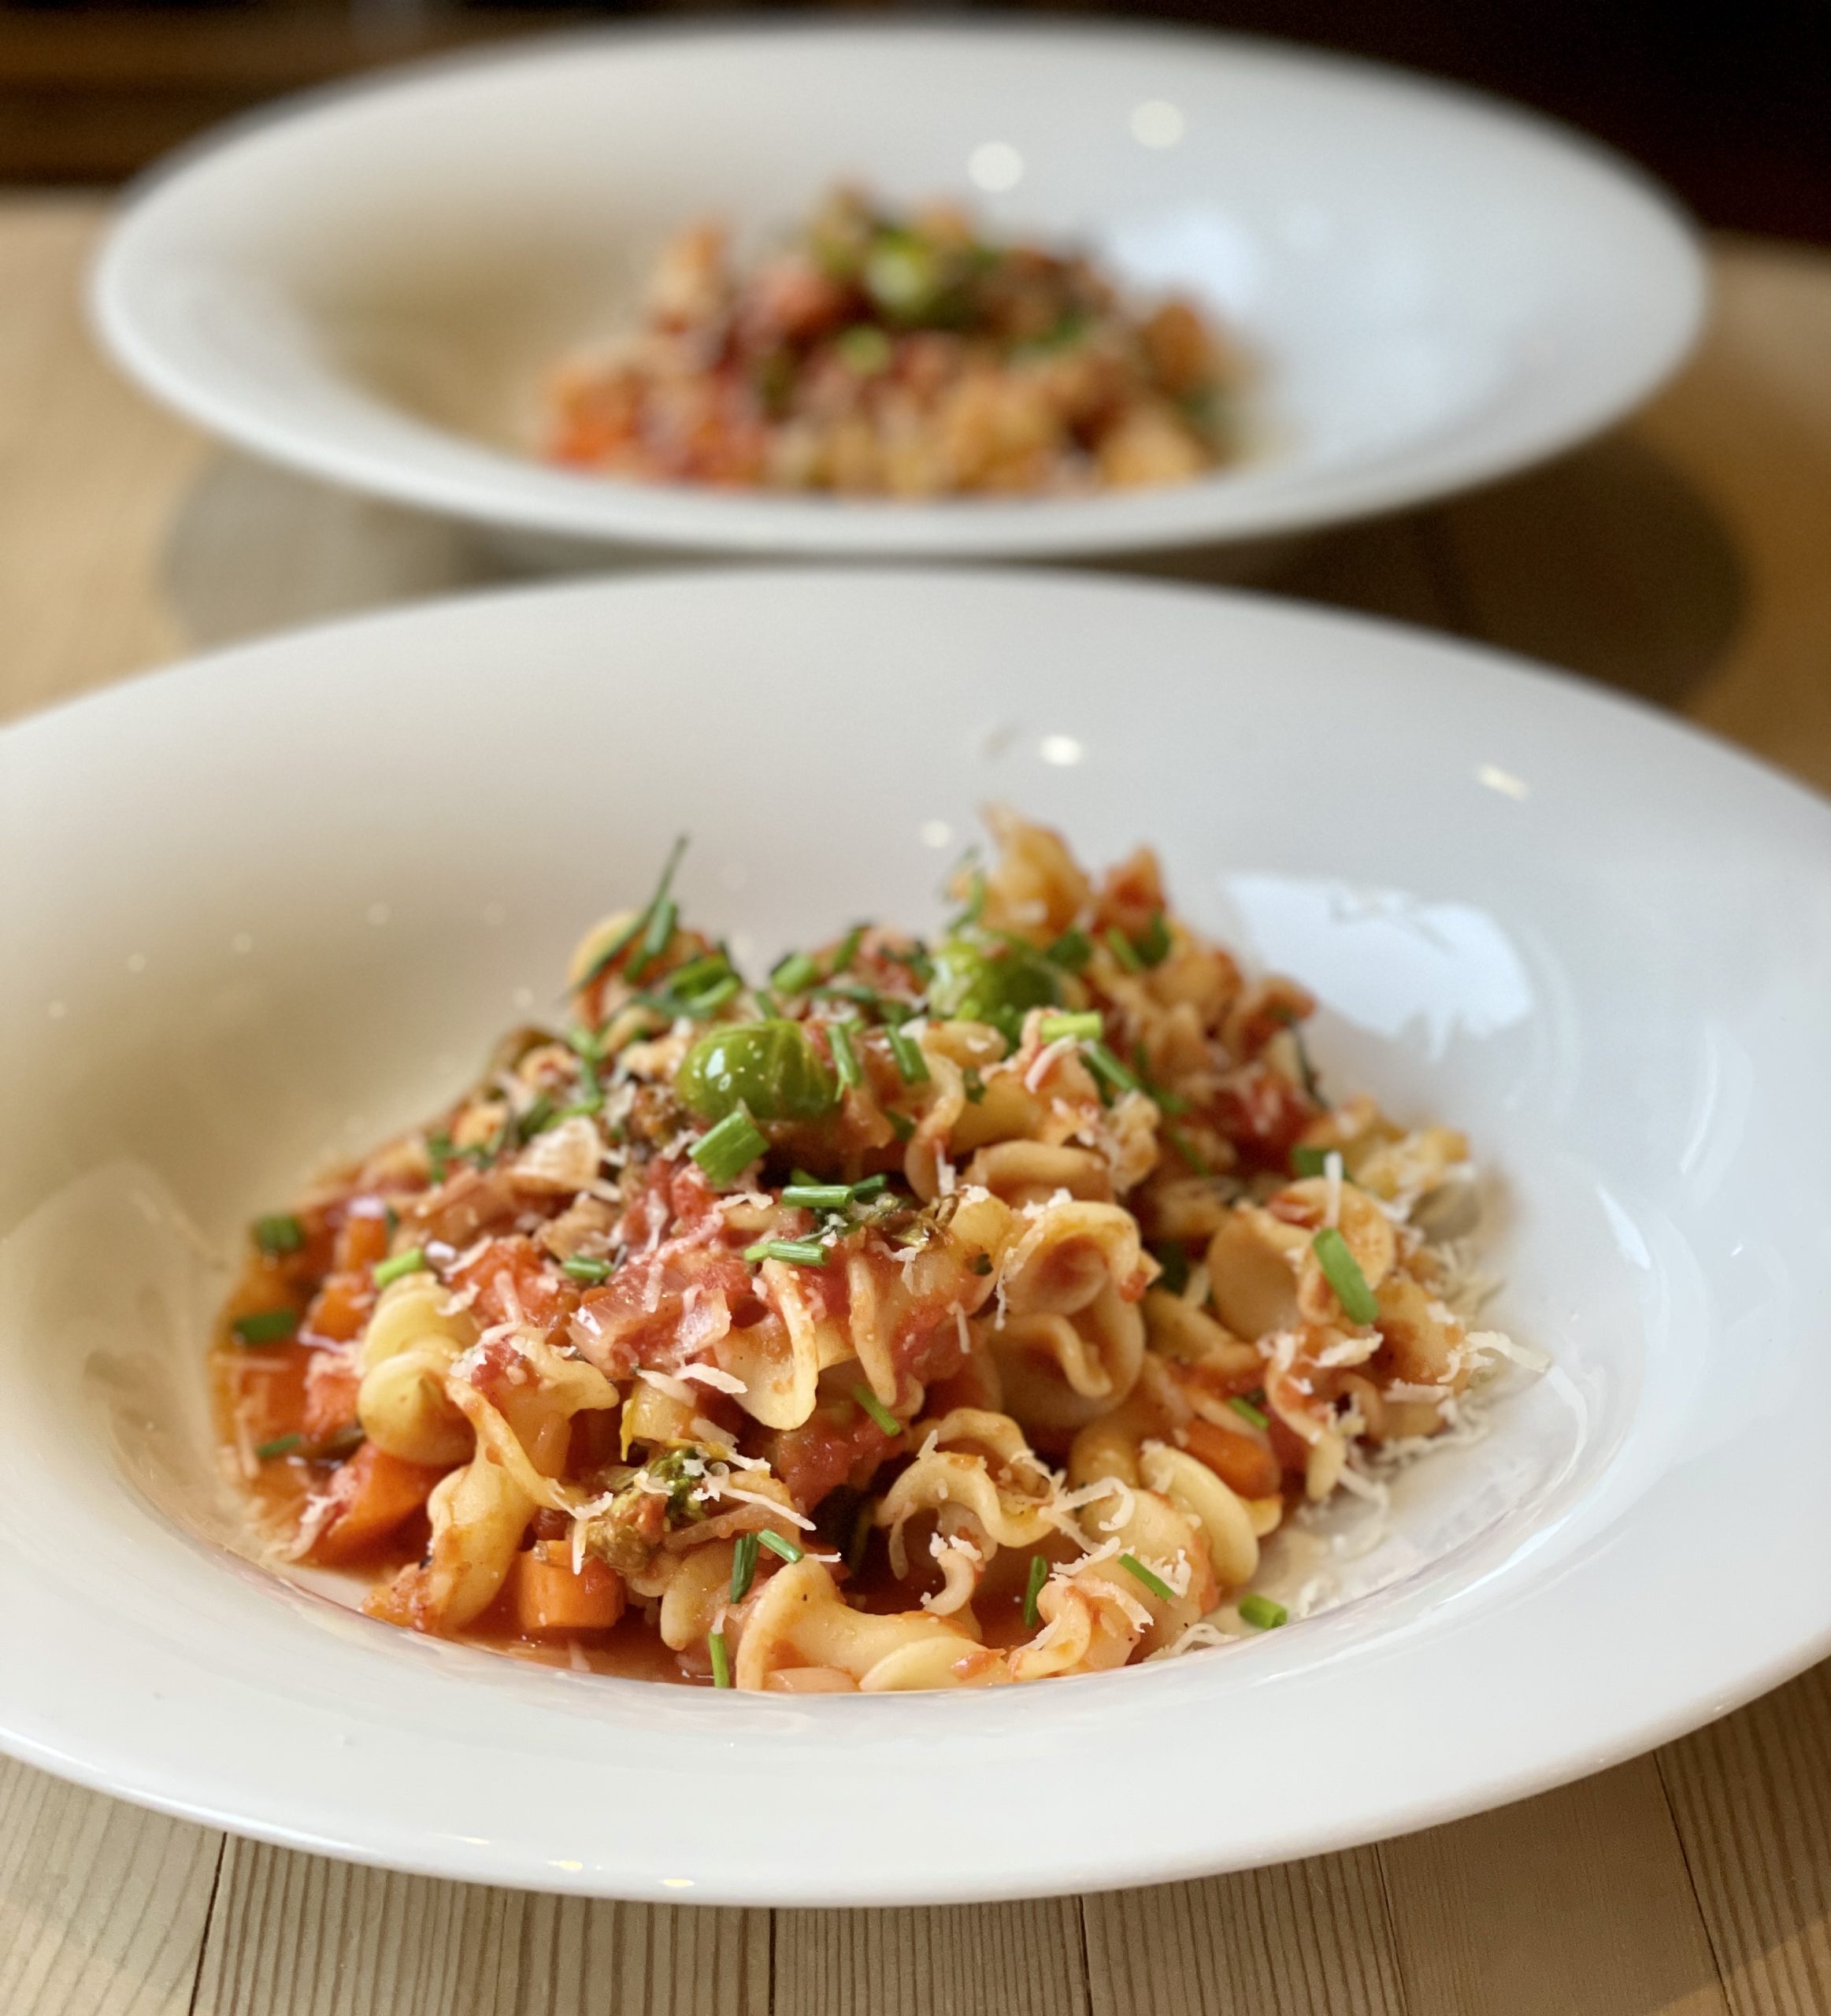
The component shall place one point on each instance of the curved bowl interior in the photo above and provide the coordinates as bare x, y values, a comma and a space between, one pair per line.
261, 909
1434, 289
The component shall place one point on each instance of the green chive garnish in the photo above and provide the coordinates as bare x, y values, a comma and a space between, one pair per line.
901, 1125
538, 1118
1262, 1612
643, 920
791, 1252
1106, 1067
869, 1187
1246, 1411
1071, 951
838, 1035
1309, 1161
587, 1044
1122, 949
818, 1196
1155, 1582
877, 1409
911, 1065
729, 1149
281, 1445
972, 1085
795, 974
265, 1326
720, 1659
582, 1267
281, 1233
1053, 1027
1153, 944
1038, 1575
1358, 1302
775, 1542
412, 1261
848, 948
743, 1566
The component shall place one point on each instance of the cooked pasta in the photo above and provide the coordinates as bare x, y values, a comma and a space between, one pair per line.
934, 1314
896, 356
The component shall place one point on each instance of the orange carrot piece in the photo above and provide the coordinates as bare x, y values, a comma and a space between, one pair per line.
550, 1601
1243, 1465
372, 1495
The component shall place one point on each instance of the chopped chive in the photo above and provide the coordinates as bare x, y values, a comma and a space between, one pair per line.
1189, 1152
345, 1442
1246, 1411
412, 1261
280, 1233
1153, 944
973, 1085
795, 974
1262, 1612
911, 1065
901, 1125
440, 1155
721, 1659
589, 1103
265, 1326
643, 920
582, 1267
838, 1035
877, 1409
818, 1196
768, 1006
1122, 949
1071, 951
1173, 1103
915, 958
1153, 1582
392, 1218
537, 1119
587, 1043
729, 1149
1053, 1027
659, 936
1358, 1301
1309, 1161
791, 1252
848, 949
743, 1566
281, 1445
775, 1544
868, 1187
1038, 1575
982, 1264
1107, 1067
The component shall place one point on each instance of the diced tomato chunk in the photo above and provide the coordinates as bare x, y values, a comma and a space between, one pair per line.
341, 1308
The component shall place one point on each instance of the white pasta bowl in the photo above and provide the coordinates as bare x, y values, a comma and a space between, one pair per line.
271, 905
1436, 289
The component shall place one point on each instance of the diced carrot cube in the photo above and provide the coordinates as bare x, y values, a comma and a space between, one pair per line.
372, 1495
1243, 1465
361, 1241
341, 1307
550, 1601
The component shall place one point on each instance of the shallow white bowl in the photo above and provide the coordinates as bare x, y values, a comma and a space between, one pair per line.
267, 907
1438, 288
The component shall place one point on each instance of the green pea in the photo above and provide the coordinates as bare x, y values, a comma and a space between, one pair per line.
992, 983
771, 1067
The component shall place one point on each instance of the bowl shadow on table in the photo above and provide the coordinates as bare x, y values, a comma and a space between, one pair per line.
1606, 560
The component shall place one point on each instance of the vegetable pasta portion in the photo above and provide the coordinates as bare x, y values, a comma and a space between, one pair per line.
935, 1313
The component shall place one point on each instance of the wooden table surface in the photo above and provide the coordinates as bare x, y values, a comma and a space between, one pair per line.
1686, 557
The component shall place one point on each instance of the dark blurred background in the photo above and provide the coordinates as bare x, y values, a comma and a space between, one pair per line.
1731, 105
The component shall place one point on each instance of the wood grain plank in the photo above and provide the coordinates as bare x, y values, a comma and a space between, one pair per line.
994, 1960
90, 474
102, 1907
295, 1935
1578, 1902
1309, 1939
1752, 1796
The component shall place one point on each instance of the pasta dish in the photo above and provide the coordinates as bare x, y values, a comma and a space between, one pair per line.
878, 354
934, 1313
